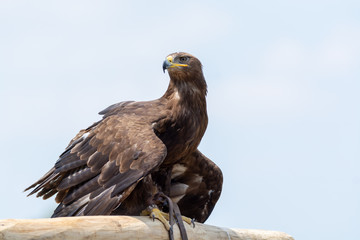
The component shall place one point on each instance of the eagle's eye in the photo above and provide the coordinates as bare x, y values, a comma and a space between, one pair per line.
183, 59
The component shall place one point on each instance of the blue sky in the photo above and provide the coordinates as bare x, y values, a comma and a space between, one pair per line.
283, 99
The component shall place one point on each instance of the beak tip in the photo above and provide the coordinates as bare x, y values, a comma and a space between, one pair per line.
164, 66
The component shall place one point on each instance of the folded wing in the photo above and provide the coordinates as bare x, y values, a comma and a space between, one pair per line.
102, 165
196, 184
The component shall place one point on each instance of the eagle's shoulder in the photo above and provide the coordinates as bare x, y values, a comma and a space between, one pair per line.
114, 108
140, 108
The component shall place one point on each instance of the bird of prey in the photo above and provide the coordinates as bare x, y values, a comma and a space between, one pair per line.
139, 154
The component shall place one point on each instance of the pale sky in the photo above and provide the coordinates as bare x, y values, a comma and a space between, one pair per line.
283, 98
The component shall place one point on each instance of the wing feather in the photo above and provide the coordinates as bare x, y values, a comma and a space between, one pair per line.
71, 165
96, 161
102, 163
196, 186
82, 190
79, 176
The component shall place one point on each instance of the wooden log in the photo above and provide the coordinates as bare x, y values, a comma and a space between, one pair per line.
120, 227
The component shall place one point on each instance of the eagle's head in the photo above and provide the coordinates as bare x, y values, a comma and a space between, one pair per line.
181, 65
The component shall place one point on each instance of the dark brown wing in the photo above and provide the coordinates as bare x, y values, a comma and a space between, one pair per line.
196, 184
102, 165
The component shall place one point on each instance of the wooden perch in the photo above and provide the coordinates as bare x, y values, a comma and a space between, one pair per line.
119, 227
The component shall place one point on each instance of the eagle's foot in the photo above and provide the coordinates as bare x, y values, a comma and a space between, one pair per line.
174, 215
189, 221
154, 213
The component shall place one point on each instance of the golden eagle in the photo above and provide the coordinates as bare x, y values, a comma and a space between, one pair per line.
120, 164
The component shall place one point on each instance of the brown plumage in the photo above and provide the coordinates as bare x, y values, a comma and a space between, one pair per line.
138, 149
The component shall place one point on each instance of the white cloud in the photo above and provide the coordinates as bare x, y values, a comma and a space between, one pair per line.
294, 79
340, 50
258, 95
284, 56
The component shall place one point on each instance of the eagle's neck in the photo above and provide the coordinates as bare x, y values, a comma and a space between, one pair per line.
187, 96
186, 123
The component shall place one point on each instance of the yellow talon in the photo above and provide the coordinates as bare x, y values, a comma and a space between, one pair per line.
188, 221
154, 212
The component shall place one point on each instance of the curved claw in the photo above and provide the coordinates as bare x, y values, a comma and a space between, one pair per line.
193, 222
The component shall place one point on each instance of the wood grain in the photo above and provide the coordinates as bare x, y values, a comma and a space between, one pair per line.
120, 227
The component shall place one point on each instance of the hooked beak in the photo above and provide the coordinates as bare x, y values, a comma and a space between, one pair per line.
166, 65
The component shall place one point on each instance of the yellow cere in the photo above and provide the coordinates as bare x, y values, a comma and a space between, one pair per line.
170, 59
